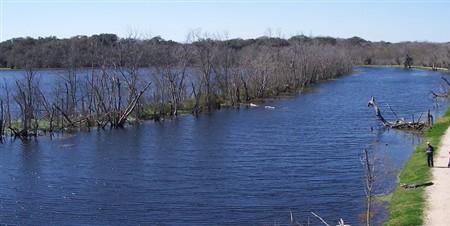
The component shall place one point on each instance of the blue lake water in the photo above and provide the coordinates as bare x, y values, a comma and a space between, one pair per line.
231, 167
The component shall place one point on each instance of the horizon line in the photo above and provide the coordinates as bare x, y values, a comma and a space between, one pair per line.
214, 36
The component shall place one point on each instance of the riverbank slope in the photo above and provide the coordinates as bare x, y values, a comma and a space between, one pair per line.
408, 205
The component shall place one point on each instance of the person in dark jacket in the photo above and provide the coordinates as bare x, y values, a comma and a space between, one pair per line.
430, 151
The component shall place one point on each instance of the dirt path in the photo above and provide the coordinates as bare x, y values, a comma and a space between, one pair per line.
438, 196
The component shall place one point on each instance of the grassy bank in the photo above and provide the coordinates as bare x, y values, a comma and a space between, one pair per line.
407, 206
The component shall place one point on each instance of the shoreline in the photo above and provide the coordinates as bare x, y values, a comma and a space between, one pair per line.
407, 206
440, 69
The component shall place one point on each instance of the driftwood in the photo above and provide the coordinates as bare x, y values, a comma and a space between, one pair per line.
400, 123
414, 186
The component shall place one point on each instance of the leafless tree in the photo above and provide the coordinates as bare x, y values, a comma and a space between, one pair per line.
205, 50
369, 168
26, 98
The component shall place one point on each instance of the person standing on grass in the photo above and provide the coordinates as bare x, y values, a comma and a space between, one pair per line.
430, 150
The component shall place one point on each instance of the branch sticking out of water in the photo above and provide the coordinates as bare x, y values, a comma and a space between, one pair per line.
320, 218
400, 123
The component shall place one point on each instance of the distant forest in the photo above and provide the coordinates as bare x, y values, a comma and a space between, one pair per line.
88, 51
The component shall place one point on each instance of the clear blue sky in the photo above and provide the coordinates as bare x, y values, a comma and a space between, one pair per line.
389, 20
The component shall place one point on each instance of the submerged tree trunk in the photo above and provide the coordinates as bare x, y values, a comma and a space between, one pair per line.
369, 174
373, 103
399, 123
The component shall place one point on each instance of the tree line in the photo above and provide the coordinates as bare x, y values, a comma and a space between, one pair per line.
51, 52
408, 54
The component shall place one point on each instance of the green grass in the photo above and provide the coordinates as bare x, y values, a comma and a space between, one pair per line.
43, 124
407, 205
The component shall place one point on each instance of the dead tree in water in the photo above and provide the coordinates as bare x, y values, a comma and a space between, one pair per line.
369, 183
7, 120
205, 51
2, 127
130, 54
107, 96
50, 111
400, 123
373, 103
445, 93
170, 78
26, 98
123, 116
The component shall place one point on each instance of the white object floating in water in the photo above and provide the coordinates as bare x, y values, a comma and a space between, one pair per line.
66, 145
269, 107
253, 105
342, 223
